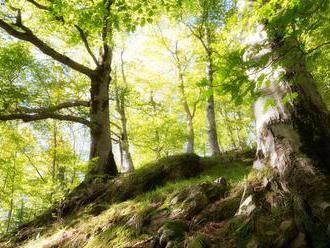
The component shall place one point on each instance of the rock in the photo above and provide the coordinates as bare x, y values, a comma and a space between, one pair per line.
221, 181
253, 243
247, 207
325, 206
172, 231
189, 202
286, 225
198, 241
299, 241
195, 198
288, 232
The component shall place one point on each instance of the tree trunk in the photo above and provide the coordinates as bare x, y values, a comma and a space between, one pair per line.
189, 115
54, 161
224, 115
127, 161
127, 158
191, 136
101, 147
237, 129
211, 126
293, 138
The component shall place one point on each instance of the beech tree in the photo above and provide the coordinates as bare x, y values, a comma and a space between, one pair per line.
207, 18
292, 120
182, 60
92, 25
121, 95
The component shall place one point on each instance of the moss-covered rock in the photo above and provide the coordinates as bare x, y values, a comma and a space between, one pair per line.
172, 232
127, 186
197, 241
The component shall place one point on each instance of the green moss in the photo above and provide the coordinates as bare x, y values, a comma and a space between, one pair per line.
173, 230
198, 241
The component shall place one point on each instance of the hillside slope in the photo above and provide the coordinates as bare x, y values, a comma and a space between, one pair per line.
181, 201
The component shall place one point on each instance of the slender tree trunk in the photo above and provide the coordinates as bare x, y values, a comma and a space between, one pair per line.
127, 158
238, 137
10, 214
21, 213
189, 115
127, 162
54, 162
228, 126
191, 136
101, 147
11, 207
211, 126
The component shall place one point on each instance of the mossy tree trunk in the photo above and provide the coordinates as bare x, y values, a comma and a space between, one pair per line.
293, 133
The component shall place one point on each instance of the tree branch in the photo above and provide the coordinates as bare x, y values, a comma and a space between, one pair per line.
34, 166
83, 36
29, 36
56, 107
38, 5
46, 115
317, 47
107, 30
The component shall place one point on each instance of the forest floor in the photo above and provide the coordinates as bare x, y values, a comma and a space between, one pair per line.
180, 201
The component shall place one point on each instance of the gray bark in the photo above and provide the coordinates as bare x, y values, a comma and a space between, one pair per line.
227, 123
189, 115
101, 150
294, 138
101, 147
127, 162
211, 126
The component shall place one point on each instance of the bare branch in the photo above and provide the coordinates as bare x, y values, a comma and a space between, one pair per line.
33, 165
115, 125
38, 5
83, 36
29, 36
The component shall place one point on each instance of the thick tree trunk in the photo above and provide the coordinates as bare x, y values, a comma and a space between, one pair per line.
101, 147
211, 126
293, 138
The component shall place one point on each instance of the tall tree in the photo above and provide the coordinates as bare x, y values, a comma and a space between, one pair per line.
91, 25
182, 61
99, 76
121, 97
293, 123
208, 15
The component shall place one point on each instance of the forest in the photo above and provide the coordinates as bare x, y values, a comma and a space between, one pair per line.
164, 123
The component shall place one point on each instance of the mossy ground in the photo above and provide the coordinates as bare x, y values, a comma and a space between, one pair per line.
176, 202
135, 220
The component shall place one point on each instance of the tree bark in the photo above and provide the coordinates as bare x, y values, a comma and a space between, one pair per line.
211, 126
101, 150
101, 147
189, 114
293, 138
127, 161
227, 123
